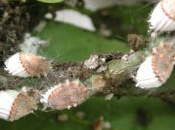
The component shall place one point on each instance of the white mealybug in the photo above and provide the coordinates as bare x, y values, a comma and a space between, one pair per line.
15, 104
27, 64
146, 78
162, 18
65, 95
157, 68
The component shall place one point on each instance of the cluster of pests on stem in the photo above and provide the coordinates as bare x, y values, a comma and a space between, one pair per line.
159, 64
153, 72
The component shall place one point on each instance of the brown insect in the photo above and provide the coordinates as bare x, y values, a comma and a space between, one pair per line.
66, 95
27, 64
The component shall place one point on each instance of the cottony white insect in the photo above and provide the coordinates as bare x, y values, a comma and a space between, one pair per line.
27, 64
162, 18
65, 95
157, 68
15, 104
7, 99
146, 78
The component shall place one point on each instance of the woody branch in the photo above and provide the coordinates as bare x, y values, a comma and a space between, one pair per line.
106, 73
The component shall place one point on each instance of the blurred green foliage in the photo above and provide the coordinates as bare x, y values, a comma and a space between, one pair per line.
123, 20
68, 43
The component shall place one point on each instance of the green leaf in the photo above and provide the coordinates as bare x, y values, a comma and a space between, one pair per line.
68, 43
50, 1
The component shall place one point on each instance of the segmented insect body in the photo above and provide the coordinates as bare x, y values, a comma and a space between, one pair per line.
27, 64
157, 68
162, 19
15, 104
65, 95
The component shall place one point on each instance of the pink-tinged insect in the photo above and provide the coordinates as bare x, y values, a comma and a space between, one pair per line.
157, 68
15, 104
162, 19
65, 95
27, 64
